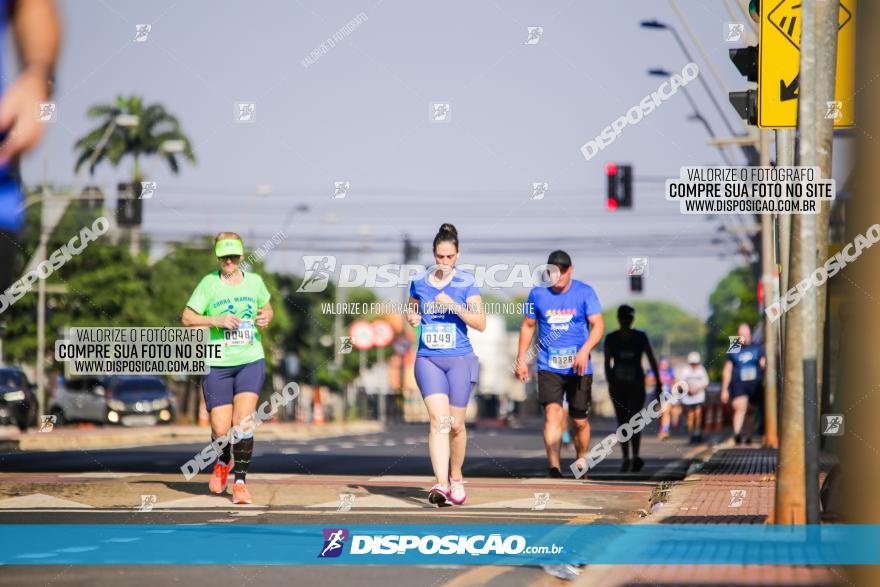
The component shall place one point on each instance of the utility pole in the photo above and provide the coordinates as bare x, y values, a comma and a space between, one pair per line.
341, 298
134, 245
383, 392
817, 75
797, 495
826, 66
50, 214
790, 493
768, 269
410, 255
785, 149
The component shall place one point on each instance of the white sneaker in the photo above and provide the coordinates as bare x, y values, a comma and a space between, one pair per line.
566, 572
457, 493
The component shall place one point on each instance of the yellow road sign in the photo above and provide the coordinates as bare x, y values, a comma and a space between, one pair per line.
779, 65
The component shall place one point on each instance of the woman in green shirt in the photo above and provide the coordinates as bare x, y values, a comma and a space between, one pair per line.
234, 304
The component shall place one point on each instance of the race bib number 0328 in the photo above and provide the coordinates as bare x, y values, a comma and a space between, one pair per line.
562, 358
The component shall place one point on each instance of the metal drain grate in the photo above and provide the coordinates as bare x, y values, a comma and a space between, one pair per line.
741, 461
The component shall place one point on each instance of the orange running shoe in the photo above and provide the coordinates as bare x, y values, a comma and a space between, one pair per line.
240, 493
217, 484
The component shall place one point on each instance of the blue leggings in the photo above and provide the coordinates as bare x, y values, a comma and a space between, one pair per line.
453, 376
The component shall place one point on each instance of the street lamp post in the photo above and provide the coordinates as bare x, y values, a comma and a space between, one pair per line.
50, 216
696, 115
657, 25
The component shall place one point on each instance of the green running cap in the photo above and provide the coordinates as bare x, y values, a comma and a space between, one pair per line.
229, 246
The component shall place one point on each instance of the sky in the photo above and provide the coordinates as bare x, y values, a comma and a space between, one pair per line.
360, 113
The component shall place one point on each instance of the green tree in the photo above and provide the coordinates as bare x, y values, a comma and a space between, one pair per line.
512, 320
309, 322
733, 301
155, 127
102, 286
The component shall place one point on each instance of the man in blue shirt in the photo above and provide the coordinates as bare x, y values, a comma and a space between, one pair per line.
35, 28
568, 320
741, 379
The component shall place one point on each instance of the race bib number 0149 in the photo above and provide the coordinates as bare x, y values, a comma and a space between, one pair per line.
439, 336
244, 334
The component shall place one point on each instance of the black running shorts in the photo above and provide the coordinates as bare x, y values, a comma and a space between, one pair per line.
577, 389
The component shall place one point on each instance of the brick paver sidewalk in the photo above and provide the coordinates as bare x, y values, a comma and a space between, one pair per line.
735, 486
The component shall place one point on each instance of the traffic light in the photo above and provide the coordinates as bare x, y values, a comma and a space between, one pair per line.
746, 102
635, 283
755, 10
612, 199
619, 186
91, 198
129, 206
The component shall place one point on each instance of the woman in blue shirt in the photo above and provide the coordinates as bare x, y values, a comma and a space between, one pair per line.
445, 301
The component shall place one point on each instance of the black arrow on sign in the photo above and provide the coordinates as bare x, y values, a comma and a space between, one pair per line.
789, 91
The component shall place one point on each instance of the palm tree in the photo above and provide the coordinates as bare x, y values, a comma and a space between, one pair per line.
150, 133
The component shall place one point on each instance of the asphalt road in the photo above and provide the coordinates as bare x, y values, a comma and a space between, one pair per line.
401, 450
301, 482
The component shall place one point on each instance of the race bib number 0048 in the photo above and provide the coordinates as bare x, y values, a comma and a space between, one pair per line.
439, 336
244, 334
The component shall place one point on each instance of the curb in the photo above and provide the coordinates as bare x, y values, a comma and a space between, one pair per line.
126, 438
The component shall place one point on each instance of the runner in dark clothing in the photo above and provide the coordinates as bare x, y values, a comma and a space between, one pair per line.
626, 379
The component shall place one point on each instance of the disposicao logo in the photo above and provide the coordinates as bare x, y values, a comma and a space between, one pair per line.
430, 544
334, 540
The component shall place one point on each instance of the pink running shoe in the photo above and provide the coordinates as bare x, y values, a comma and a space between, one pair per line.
439, 495
457, 494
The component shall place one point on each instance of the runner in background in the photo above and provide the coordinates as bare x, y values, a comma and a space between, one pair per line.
36, 33
560, 315
672, 407
446, 301
697, 379
741, 380
235, 305
626, 379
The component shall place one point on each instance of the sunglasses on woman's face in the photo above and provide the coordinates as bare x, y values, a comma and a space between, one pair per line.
229, 259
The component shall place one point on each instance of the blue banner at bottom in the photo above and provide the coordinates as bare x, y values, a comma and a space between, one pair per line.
456, 544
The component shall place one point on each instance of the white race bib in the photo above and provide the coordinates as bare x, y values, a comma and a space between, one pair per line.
749, 373
244, 334
439, 336
562, 358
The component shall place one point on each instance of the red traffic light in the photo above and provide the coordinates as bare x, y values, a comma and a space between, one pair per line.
611, 168
611, 204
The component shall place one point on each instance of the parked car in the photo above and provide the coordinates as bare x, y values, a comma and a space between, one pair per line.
125, 400
18, 402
